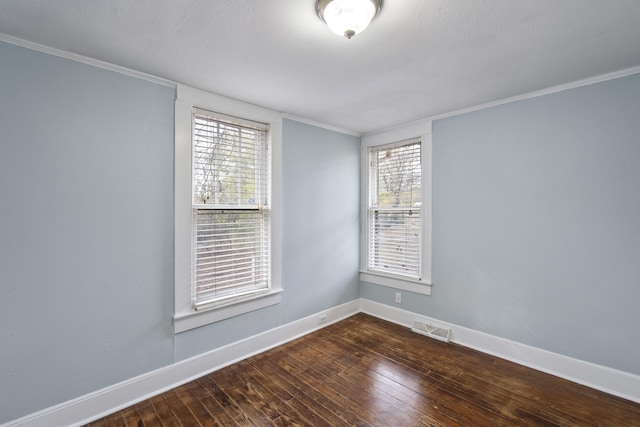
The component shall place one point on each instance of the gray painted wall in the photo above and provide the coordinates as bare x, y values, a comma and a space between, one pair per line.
321, 217
536, 223
86, 231
86, 245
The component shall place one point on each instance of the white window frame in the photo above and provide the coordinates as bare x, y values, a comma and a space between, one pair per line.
419, 130
188, 99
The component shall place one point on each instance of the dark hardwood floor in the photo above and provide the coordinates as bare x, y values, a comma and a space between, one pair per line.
364, 371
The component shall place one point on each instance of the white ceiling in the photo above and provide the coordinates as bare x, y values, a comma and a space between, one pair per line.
419, 58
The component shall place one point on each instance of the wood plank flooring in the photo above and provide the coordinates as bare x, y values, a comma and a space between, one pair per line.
364, 371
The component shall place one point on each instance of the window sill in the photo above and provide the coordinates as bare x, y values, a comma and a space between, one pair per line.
194, 319
396, 282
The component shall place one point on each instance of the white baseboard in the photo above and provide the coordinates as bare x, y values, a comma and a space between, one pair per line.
95, 405
612, 381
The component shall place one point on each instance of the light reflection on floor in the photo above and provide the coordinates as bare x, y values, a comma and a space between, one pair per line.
391, 384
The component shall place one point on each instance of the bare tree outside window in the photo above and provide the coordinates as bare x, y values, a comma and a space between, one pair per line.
227, 163
399, 176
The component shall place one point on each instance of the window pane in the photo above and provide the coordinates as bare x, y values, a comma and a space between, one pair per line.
399, 176
395, 241
231, 253
231, 235
229, 163
395, 199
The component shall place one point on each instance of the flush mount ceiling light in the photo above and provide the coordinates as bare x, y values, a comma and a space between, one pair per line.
348, 17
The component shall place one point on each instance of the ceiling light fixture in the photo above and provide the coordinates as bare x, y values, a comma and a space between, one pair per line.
348, 17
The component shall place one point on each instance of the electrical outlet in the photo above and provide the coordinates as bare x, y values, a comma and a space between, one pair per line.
398, 298
322, 318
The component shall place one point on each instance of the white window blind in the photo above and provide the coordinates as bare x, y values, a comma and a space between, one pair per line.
395, 201
231, 224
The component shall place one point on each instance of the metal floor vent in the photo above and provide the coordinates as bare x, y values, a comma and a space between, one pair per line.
436, 332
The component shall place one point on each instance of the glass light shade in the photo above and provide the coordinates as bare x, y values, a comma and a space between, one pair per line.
349, 17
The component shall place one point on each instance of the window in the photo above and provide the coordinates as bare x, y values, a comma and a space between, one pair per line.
228, 219
395, 200
230, 209
396, 208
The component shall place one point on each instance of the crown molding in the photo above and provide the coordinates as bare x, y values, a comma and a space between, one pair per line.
547, 91
85, 60
320, 125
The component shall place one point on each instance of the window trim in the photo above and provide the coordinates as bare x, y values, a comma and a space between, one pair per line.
188, 99
419, 130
